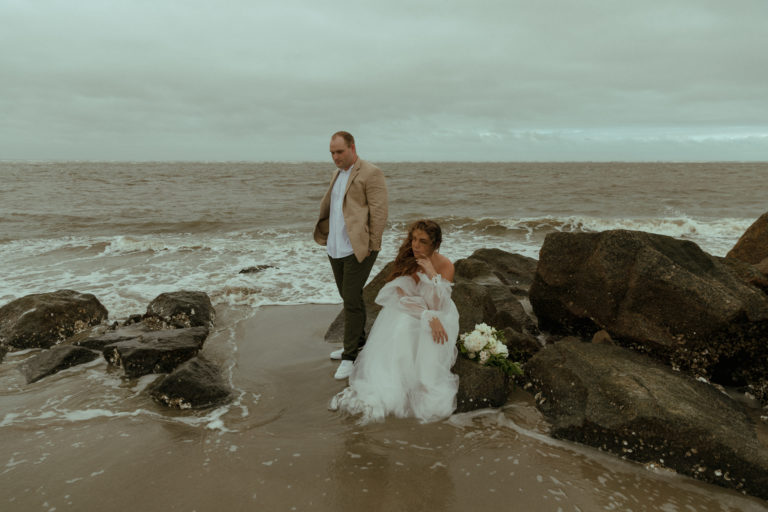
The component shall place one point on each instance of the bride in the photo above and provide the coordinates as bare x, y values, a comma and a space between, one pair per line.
405, 367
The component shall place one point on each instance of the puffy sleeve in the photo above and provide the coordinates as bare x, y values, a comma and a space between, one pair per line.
436, 291
394, 291
415, 299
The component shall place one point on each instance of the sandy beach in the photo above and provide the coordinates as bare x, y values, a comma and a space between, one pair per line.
279, 448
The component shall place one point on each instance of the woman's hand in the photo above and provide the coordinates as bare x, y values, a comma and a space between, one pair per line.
427, 266
438, 331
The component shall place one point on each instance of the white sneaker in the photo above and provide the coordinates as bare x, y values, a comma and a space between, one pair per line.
344, 370
336, 354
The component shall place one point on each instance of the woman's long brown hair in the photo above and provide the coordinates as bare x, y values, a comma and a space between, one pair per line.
405, 262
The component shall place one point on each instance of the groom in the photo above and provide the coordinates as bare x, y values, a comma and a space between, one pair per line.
353, 214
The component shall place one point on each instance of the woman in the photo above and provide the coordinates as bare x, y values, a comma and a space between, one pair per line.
405, 368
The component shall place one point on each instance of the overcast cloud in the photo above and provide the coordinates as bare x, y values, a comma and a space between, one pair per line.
413, 80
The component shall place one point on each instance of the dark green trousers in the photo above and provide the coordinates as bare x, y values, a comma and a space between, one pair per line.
351, 276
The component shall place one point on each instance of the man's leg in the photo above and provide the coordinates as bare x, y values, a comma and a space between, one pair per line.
351, 276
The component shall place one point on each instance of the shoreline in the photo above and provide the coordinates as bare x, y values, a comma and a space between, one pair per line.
278, 447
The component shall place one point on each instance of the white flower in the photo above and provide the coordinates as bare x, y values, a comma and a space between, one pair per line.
497, 348
474, 342
484, 355
484, 328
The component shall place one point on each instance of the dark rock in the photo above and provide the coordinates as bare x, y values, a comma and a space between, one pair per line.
45, 319
625, 403
762, 267
513, 270
474, 303
752, 247
753, 275
181, 310
155, 351
255, 269
521, 346
196, 384
486, 268
56, 359
98, 340
133, 319
656, 294
479, 386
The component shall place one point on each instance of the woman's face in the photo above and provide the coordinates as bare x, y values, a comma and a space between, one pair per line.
421, 244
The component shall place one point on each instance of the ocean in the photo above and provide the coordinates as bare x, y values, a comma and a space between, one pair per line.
89, 439
127, 232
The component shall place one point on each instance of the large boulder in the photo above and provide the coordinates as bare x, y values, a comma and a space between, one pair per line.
623, 402
474, 303
659, 295
195, 384
61, 357
181, 309
155, 351
514, 271
479, 386
506, 278
45, 319
752, 247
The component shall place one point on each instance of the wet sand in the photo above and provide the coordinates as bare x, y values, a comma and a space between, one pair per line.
76, 442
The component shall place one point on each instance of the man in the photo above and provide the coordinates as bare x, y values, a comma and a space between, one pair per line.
353, 214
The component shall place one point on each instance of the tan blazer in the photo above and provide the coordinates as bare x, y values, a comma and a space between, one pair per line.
365, 209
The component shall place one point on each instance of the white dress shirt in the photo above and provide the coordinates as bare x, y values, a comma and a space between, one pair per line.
339, 245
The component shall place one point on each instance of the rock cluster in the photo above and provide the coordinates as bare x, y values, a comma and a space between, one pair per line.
628, 339
670, 325
165, 340
658, 295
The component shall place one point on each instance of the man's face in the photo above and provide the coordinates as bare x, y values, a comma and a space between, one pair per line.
343, 156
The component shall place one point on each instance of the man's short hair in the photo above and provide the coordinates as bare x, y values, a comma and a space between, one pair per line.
348, 138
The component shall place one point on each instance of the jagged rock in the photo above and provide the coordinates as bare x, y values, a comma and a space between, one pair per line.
98, 340
196, 384
45, 319
155, 351
474, 303
753, 275
623, 402
521, 346
479, 386
181, 310
762, 267
486, 267
255, 269
752, 247
656, 294
513, 270
56, 359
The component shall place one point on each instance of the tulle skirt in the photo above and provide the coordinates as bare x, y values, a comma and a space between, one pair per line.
401, 370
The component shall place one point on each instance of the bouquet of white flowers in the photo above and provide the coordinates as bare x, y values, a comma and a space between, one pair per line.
486, 345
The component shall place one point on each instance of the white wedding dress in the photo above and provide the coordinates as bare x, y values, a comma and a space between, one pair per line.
402, 371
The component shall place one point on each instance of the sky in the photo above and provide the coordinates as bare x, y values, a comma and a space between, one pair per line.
417, 80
